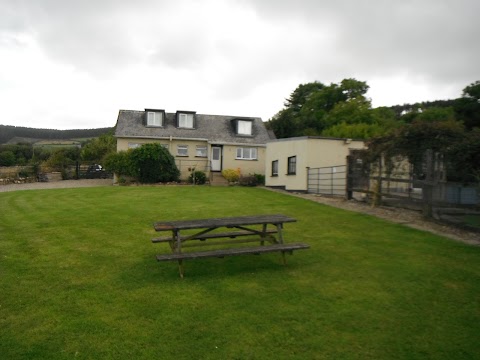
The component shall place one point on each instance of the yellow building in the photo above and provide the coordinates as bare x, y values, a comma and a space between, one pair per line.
289, 161
208, 143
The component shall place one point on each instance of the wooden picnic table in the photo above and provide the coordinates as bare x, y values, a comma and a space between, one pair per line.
233, 230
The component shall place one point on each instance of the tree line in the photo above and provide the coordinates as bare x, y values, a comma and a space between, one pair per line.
93, 150
447, 127
8, 132
343, 110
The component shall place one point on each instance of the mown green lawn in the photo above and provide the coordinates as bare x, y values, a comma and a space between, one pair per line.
78, 279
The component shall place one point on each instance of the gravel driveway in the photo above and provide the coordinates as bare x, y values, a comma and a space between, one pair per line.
64, 184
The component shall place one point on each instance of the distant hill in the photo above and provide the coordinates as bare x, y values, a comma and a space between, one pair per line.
8, 134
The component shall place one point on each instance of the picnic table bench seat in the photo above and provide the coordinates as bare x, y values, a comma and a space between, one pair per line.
233, 251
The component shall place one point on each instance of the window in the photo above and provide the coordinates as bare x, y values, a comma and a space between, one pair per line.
247, 153
201, 151
275, 168
182, 150
292, 165
185, 121
133, 145
244, 127
165, 146
154, 118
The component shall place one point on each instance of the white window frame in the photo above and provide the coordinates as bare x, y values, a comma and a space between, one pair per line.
182, 150
275, 168
185, 121
244, 127
154, 118
201, 151
246, 153
166, 146
292, 165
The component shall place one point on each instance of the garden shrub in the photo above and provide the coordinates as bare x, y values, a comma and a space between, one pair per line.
153, 163
260, 179
199, 176
231, 175
120, 163
252, 180
247, 180
7, 158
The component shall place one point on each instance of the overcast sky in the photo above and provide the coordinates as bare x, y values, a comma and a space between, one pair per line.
73, 64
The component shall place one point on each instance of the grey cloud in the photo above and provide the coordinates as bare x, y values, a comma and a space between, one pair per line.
184, 48
436, 39
93, 36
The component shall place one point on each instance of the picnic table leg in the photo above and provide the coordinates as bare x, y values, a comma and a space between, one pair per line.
180, 268
262, 236
280, 235
178, 241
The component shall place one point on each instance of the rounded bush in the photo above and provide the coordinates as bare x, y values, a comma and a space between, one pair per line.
153, 163
199, 176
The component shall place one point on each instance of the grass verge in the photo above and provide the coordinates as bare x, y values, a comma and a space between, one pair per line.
78, 279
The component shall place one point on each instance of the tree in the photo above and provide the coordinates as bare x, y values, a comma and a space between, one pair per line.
62, 158
301, 94
353, 131
467, 107
464, 155
97, 149
314, 107
472, 91
430, 113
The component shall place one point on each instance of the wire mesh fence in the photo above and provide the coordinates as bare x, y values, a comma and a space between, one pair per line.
331, 180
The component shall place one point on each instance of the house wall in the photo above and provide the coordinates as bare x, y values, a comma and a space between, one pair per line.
184, 163
281, 150
310, 152
246, 166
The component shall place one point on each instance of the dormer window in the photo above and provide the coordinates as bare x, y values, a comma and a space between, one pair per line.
243, 127
155, 117
185, 120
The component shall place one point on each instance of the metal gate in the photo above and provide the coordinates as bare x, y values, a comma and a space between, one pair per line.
330, 180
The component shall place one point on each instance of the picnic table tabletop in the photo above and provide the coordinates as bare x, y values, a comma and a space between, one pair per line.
222, 222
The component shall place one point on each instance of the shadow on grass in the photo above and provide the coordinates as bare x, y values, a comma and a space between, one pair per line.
149, 271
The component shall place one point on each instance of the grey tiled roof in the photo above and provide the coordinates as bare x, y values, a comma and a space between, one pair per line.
212, 128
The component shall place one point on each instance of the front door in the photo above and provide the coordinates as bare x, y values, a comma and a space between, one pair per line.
216, 158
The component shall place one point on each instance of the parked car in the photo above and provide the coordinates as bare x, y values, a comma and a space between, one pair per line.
96, 171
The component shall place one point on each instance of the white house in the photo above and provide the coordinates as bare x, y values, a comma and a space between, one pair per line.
289, 160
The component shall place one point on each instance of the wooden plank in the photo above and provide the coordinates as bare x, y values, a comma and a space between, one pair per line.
233, 252
231, 234
222, 222
224, 242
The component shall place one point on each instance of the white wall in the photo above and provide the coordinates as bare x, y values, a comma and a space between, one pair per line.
310, 152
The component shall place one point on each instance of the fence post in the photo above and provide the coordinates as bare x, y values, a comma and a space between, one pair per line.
348, 182
377, 189
427, 190
308, 178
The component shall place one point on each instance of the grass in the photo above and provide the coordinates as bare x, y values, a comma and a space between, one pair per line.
78, 279
472, 220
